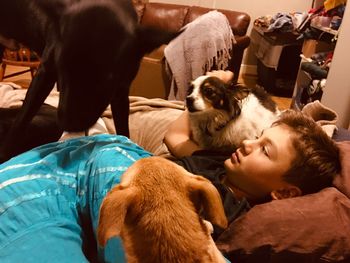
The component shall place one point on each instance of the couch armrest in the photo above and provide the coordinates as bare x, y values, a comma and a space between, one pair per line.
239, 21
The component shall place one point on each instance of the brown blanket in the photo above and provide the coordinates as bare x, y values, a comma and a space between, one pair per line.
148, 121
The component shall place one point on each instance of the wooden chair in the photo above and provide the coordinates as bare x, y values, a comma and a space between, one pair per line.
22, 57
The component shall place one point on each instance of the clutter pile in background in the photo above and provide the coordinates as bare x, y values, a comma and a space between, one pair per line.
321, 24
317, 66
281, 22
327, 17
330, 15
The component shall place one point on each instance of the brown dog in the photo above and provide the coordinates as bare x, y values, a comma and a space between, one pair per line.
155, 211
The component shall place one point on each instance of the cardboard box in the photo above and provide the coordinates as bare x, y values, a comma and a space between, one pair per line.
312, 46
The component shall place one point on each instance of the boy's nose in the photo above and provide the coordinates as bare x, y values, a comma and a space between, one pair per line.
248, 146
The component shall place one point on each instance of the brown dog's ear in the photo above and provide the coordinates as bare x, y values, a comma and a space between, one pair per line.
203, 193
113, 211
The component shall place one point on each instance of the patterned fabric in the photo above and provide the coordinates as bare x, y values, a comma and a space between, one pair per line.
48, 192
205, 42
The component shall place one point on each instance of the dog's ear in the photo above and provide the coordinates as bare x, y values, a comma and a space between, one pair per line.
239, 92
150, 38
204, 194
113, 211
234, 106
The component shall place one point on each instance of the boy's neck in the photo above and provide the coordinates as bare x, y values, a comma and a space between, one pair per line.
239, 194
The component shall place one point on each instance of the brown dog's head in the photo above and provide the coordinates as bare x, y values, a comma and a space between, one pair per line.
97, 56
155, 211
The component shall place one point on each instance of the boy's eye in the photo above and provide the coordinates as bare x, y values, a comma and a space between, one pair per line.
265, 151
263, 147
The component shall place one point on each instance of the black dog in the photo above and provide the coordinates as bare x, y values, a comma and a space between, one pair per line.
92, 49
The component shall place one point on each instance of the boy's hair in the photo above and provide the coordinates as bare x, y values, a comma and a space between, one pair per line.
317, 156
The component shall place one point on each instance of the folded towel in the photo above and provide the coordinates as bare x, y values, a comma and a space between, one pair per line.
11, 95
323, 115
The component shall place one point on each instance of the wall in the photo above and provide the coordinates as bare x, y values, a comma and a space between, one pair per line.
337, 92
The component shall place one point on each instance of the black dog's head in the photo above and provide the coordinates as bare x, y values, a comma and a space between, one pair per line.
207, 93
101, 48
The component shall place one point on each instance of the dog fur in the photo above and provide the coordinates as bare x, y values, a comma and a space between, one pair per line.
42, 129
221, 117
155, 211
92, 49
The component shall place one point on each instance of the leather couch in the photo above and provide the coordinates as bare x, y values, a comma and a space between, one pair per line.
152, 80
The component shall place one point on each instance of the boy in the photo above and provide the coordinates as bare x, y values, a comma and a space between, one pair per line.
294, 157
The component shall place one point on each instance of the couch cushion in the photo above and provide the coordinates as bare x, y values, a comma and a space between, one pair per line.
169, 17
311, 228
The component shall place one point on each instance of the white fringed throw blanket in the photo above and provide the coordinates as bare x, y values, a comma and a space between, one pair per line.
206, 41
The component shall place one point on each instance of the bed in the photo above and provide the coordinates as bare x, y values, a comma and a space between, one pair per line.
312, 228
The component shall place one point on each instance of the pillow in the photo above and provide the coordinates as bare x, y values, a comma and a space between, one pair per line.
311, 228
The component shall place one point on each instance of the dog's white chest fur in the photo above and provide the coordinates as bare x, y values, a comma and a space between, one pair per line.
254, 118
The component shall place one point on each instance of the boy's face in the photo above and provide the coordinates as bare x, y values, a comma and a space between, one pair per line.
258, 166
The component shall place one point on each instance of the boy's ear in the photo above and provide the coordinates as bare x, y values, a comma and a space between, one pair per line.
286, 192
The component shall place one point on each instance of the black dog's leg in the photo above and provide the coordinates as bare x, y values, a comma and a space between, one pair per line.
2, 72
2, 48
38, 90
120, 111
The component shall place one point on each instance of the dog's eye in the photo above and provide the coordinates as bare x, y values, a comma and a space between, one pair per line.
208, 91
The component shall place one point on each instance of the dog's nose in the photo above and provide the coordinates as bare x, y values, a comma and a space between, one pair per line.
189, 101
189, 104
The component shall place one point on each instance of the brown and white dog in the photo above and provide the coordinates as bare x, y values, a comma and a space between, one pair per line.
222, 117
155, 211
